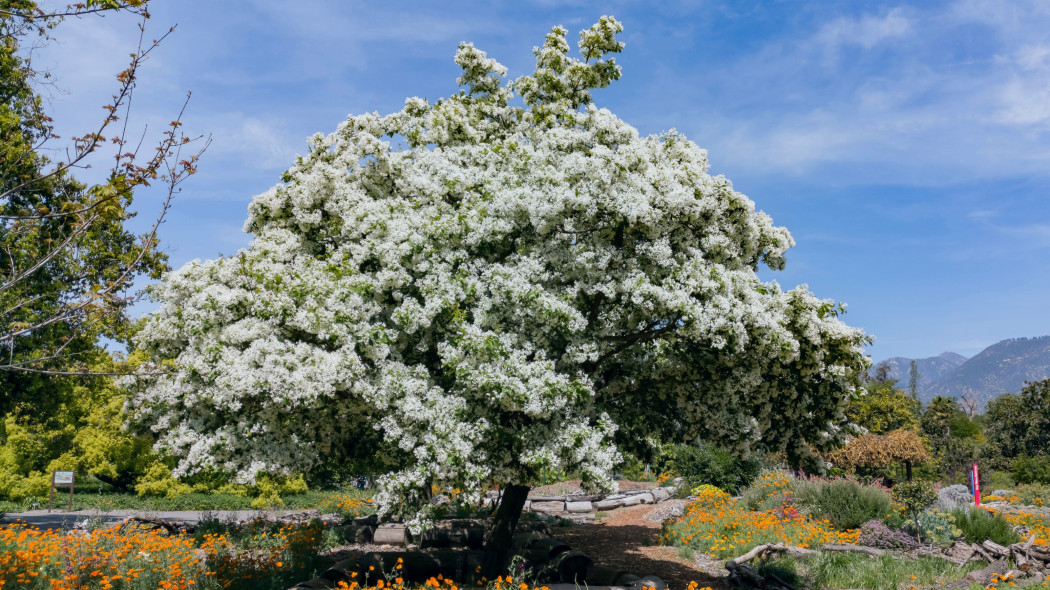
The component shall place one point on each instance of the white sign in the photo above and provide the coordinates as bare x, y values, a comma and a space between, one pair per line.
64, 478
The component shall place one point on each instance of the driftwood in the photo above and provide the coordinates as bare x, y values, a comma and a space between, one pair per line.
982, 576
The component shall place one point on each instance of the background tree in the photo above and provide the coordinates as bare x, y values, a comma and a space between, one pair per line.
67, 259
872, 451
883, 408
913, 381
503, 291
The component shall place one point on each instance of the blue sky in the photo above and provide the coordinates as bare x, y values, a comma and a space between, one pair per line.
905, 145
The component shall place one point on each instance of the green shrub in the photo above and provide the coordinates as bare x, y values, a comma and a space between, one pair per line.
979, 525
846, 503
1031, 469
996, 480
769, 491
702, 463
1033, 494
938, 526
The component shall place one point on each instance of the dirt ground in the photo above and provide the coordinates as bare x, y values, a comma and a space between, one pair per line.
627, 539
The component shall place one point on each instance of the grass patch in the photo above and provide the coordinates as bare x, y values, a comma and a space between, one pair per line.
842, 570
324, 500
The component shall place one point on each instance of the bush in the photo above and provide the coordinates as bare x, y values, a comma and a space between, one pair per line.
1032, 494
914, 496
706, 463
979, 525
952, 497
875, 533
938, 526
844, 502
1031, 469
769, 491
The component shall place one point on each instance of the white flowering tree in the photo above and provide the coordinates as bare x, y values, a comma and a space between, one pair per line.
489, 287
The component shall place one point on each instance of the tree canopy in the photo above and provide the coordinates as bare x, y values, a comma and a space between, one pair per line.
500, 282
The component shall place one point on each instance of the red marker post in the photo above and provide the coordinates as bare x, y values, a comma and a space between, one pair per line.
976, 480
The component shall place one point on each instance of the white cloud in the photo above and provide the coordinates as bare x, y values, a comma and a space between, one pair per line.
866, 31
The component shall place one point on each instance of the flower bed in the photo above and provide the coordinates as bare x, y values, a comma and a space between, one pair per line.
715, 523
133, 558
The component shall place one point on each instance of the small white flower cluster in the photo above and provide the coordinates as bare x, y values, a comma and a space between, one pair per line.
508, 294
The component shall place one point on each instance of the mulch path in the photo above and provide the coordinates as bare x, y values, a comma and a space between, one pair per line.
627, 539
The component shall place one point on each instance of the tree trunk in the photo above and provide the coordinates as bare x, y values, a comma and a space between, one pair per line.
504, 521
907, 469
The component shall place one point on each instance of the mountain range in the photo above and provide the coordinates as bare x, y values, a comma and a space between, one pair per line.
1003, 367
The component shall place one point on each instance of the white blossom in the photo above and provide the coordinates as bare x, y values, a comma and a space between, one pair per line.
491, 291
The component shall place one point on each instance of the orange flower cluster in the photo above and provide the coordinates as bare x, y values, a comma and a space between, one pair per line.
1035, 523
722, 527
133, 558
346, 505
106, 559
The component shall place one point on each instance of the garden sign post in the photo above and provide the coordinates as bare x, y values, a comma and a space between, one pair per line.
975, 481
61, 478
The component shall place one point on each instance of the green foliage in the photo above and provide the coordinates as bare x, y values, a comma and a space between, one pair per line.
1030, 469
914, 496
1019, 427
938, 415
883, 408
978, 525
703, 462
997, 480
888, 572
769, 491
1032, 494
938, 526
847, 504
962, 427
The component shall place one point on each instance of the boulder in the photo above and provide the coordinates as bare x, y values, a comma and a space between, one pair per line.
608, 504
632, 501
391, 534
646, 498
660, 494
547, 506
579, 507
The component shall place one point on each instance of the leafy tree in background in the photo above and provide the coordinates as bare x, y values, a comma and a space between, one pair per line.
1006, 422
913, 380
882, 408
501, 291
67, 260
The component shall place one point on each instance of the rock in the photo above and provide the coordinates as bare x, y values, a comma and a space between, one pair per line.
528, 505
660, 494
632, 501
391, 534
579, 507
651, 582
439, 500
616, 496
608, 504
646, 498
625, 579
547, 506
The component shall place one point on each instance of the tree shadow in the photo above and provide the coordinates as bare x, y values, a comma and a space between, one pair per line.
635, 549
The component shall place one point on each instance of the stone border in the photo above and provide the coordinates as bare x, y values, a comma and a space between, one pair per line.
580, 503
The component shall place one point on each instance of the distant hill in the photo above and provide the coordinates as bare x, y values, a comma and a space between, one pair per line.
1003, 367
931, 370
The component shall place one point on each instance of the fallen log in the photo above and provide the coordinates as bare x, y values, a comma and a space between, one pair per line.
981, 576
995, 549
872, 551
981, 551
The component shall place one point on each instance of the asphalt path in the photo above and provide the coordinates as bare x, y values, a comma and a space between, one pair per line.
42, 519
